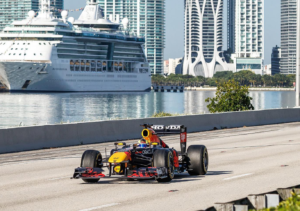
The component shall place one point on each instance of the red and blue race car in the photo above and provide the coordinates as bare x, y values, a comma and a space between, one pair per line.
150, 158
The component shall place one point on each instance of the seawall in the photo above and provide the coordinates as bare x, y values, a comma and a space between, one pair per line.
39, 137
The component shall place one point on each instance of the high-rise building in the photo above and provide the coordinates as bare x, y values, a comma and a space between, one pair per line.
171, 65
17, 10
268, 69
203, 38
231, 25
146, 18
288, 36
249, 35
275, 60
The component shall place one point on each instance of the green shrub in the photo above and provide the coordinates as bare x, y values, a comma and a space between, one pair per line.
230, 96
161, 114
292, 204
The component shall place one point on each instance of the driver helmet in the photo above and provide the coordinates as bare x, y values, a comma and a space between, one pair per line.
143, 143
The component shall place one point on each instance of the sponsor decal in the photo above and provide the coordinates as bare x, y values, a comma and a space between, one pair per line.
173, 127
162, 127
183, 137
158, 127
147, 151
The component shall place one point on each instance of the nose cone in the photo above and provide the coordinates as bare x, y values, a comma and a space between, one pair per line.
118, 157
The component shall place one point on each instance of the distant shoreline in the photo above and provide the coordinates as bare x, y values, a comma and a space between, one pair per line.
250, 89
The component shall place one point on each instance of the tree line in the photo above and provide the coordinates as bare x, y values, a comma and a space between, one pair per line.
244, 78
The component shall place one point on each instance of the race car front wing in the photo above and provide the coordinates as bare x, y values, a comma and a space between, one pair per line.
141, 173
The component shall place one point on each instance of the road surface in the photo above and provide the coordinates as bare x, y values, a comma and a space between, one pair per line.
243, 161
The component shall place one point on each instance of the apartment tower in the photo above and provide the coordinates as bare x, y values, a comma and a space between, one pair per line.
147, 19
248, 32
231, 25
288, 36
17, 10
203, 38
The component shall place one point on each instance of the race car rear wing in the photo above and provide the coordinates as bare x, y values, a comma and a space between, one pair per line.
171, 129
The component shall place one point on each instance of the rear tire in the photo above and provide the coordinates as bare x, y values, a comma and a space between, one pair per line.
164, 158
91, 159
198, 156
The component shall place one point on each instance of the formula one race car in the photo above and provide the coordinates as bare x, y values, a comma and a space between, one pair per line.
150, 158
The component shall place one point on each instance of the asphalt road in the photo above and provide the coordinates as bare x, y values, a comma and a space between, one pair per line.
242, 161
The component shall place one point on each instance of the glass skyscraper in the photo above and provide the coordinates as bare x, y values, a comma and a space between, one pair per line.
17, 10
146, 18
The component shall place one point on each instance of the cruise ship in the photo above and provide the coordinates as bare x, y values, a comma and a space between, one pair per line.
44, 53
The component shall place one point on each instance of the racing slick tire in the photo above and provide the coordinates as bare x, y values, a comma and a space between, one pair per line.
164, 158
91, 159
198, 164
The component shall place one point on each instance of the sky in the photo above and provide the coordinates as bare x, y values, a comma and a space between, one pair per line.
174, 47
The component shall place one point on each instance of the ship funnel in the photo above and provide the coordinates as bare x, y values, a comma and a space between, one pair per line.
91, 12
45, 9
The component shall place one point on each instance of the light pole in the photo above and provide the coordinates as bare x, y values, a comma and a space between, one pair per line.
298, 57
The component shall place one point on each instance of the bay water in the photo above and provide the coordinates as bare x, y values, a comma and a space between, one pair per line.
27, 109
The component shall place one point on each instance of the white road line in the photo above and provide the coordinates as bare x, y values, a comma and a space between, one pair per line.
235, 177
58, 178
100, 207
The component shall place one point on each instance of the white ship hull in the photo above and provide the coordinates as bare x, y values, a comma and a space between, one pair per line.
57, 77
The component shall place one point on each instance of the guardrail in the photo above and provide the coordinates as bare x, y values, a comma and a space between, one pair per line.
257, 201
47, 136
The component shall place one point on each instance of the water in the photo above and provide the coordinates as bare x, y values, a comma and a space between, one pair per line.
56, 108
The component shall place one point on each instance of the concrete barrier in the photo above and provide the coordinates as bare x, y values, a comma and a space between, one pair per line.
38, 137
257, 201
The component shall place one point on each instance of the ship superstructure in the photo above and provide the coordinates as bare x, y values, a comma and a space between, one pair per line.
42, 53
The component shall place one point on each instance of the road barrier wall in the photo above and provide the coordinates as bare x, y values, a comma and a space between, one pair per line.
257, 201
47, 136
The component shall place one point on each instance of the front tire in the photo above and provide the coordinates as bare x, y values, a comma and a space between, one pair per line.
91, 159
198, 164
164, 158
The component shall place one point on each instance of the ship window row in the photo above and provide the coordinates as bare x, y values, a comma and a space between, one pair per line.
30, 38
20, 54
41, 26
44, 43
82, 52
103, 66
128, 51
19, 43
107, 81
108, 36
20, 49
81, 56
25, 44
127, 46
128, 55
87, 47
100, 66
